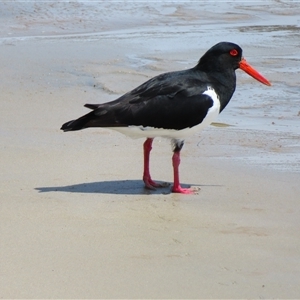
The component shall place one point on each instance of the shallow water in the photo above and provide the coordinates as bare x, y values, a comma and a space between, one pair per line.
107, 49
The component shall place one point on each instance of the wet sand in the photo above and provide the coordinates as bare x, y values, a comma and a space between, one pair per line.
75, 219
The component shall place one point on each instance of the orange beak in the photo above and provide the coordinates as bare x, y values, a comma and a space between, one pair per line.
252, 72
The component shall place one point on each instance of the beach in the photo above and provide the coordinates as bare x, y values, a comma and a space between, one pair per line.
75, 219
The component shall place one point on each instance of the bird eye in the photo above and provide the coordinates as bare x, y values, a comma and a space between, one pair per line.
233, 52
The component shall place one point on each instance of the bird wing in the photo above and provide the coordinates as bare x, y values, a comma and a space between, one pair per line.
170, 101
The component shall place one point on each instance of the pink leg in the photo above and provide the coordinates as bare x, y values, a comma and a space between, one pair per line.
176, 187
149, 183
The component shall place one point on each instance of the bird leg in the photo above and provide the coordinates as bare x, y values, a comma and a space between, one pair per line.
178, 144
149, 183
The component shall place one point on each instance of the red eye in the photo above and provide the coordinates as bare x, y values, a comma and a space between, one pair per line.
233, 52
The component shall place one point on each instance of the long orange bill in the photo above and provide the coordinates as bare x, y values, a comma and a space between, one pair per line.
252, 72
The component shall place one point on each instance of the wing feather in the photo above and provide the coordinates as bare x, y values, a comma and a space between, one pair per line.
171, 101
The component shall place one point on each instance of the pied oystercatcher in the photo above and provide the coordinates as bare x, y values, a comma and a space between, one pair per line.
172, 105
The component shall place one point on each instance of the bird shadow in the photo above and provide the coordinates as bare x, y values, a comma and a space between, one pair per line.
116, 187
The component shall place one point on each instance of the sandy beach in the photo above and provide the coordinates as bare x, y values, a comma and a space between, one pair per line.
75, 220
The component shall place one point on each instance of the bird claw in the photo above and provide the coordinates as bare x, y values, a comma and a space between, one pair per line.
152, 185
186, 191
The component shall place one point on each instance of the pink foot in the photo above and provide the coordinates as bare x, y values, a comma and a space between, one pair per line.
150, 184
180, 190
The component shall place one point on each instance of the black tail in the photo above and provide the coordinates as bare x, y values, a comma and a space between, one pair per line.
79, 123
99, 117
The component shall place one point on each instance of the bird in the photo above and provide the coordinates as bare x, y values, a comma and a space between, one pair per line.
173, 105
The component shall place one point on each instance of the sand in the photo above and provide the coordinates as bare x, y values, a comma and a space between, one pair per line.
75, 219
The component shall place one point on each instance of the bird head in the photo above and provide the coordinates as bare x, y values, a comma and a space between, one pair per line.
226, 56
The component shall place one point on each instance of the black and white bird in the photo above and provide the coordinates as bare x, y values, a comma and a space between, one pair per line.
173, 105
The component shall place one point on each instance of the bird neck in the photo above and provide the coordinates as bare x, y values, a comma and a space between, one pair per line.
223, 82
224, 86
